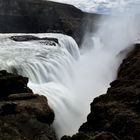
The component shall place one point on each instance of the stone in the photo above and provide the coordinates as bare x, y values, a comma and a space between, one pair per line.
12, 83
23, 116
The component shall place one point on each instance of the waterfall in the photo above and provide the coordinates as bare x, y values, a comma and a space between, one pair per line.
51, 73
70, 78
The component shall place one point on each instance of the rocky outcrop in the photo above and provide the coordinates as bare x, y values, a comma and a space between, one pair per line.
44, 40
40, 16
23, 115
11, 84
115, 115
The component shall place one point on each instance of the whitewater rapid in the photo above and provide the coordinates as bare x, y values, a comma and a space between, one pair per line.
70, 78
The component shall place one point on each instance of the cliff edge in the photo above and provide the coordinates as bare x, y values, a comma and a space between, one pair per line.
23, 114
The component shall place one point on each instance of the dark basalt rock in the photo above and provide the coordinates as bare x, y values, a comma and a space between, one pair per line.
91, 136
11, 84
50, 39
40, 16
34, 107
44, 40
22, 38
78, 136
23, 115
116, 112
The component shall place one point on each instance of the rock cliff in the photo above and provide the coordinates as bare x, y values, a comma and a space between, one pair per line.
23, 115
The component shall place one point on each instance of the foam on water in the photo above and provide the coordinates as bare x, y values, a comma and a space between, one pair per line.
50, 70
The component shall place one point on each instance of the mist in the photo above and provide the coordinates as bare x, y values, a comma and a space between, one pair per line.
99, 62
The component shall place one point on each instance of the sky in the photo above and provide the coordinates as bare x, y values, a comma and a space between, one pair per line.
103, 6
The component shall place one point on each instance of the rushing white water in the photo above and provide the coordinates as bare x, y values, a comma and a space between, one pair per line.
68, 79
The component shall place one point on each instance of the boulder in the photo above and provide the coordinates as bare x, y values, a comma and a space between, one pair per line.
22, 38
23, 114
11, 84
42, 16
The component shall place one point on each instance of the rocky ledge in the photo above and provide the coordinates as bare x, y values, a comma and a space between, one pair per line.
116, 114
43, 40
23, 115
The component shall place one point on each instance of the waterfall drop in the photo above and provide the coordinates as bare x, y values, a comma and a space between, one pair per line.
70, 78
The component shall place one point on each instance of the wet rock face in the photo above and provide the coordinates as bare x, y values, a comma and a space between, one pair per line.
23, 38
44, 40
115, 115
11, 84
23, 115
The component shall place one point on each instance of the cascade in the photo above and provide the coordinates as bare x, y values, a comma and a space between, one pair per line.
50, 70
70, 78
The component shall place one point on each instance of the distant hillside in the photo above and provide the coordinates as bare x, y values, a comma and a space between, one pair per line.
36, 16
